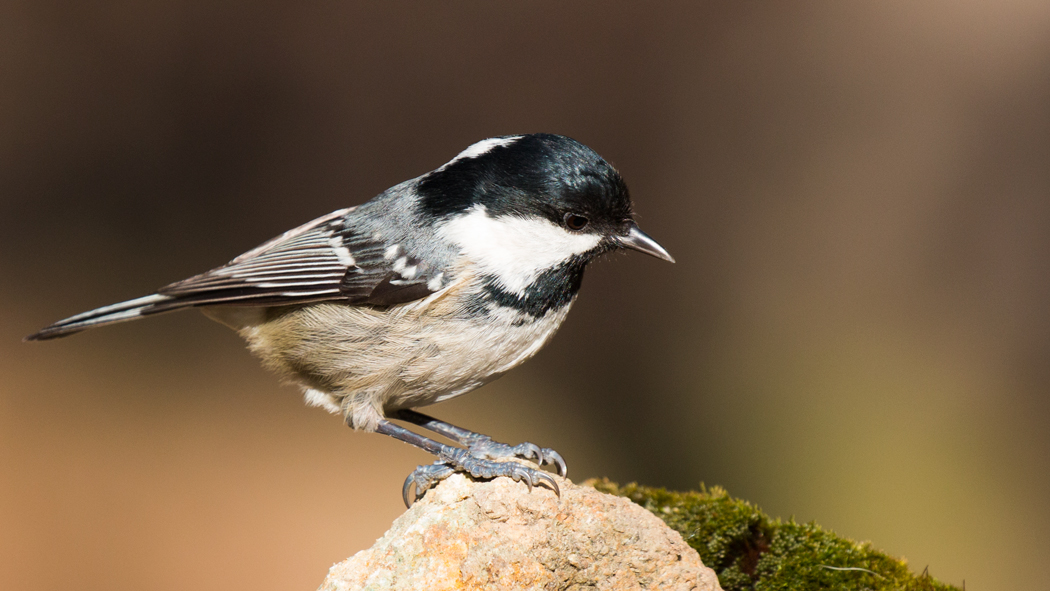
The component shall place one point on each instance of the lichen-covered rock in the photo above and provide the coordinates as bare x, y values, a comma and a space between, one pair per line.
498, 535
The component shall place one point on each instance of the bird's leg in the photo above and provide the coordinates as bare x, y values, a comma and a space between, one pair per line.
453, 459
483, 445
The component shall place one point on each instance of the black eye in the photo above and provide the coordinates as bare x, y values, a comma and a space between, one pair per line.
575, 222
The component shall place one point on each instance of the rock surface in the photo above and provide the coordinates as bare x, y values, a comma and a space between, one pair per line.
498, 535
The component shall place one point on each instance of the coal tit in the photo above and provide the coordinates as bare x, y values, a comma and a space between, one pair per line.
431, 289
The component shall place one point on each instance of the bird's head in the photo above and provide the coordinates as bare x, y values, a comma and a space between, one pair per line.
520, 205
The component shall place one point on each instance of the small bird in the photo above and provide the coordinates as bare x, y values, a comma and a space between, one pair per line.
431, 289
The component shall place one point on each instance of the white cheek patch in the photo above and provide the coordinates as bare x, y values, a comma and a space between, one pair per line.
514, 249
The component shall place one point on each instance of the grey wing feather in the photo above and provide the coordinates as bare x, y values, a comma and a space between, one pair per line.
320, 260
304, 264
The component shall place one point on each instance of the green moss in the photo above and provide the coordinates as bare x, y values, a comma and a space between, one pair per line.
749, 550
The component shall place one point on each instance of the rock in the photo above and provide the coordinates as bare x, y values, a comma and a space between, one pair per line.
498, 535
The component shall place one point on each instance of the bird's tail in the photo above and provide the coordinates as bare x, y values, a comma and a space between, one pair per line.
121, 312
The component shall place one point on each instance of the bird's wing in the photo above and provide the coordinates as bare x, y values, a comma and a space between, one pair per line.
321, 260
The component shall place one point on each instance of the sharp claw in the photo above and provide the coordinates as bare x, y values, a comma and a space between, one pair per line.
545, 478
424, 478
406, 489
554, 457
519, 473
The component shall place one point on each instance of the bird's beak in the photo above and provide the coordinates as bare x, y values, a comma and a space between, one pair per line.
640, 241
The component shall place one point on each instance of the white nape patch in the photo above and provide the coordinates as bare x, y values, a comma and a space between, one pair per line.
318, 398
391, 251
478, 148
514, 249
341, 252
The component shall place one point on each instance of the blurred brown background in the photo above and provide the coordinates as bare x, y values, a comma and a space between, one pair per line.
857, 331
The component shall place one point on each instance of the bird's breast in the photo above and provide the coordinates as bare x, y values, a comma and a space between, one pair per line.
406, 355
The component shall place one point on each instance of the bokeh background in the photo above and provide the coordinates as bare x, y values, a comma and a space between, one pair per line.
857, 331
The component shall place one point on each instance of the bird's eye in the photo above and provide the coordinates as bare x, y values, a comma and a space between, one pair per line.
575, 222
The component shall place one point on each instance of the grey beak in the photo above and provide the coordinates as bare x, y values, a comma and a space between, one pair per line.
640, 241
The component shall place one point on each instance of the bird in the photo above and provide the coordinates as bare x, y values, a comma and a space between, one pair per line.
427, 291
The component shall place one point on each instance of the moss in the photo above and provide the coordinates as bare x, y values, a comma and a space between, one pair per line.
749, 550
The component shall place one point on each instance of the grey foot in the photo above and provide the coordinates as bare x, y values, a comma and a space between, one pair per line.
467, 460
424, 477
485, 447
